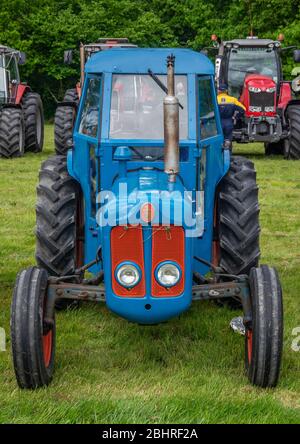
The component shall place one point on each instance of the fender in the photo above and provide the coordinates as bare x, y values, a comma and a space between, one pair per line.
285, 95
21, 90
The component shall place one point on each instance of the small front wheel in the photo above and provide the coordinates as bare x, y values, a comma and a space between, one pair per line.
264, 340
33, 341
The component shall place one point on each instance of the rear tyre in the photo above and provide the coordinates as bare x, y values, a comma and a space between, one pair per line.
238, 218
33, 342
274, 148
59, 221
236, 246
292, 146
59, 217
12, 133
264, 340
34, 122
64, 122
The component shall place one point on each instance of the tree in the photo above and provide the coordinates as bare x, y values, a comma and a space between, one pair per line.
45, 28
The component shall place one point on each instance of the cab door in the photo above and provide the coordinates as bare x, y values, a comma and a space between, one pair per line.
210, 167
84, 159
13, 73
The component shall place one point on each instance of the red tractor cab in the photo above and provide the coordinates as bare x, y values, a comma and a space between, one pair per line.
252, 69
21, 109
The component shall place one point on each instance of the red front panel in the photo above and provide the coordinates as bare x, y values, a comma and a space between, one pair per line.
127, 245
260, 99
167, 245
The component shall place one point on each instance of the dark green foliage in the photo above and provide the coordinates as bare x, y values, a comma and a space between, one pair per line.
45, 28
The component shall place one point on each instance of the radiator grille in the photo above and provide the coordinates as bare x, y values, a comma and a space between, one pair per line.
262, 100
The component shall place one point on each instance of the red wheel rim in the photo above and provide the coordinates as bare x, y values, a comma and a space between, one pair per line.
47, 347
249, 345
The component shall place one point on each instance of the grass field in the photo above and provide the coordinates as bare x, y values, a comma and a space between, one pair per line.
189, 370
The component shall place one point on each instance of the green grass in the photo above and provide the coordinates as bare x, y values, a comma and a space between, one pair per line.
187, 370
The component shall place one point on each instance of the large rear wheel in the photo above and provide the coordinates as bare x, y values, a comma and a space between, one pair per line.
264, 339
64, 122
33, 341
237, 222
236, 241
59, 219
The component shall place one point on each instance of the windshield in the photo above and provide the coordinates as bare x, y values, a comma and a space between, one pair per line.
137, 107
244, 61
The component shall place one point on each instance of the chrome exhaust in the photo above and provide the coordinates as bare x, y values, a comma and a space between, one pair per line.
171, 124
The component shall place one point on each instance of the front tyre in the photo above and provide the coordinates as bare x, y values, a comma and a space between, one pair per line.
264, 339
12, 133
33, 342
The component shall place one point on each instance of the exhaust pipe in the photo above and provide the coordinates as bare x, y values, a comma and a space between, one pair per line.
82, 63
171, 125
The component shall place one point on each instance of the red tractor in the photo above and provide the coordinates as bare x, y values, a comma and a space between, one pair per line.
66, 111
252, 69
21, 109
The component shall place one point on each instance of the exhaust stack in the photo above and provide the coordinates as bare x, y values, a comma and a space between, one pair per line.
82, 63
171, 124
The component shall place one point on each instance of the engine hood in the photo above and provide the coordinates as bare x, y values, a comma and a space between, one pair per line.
259, 81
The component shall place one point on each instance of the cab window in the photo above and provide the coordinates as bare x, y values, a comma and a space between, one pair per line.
89, 121
207, 113
137, 107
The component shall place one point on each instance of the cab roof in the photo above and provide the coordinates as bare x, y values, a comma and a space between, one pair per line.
251, 42
139, 60
6, 49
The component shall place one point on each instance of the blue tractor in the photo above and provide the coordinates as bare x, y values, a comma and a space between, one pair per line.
152, 205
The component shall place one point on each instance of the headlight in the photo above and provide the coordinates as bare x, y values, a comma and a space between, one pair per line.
168, 274
271, 90
254, 89
269, 109
128, 274
255, 109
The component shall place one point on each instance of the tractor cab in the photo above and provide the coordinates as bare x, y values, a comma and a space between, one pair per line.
86, 51
123, 140
9, 73
241, 58
21, 109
